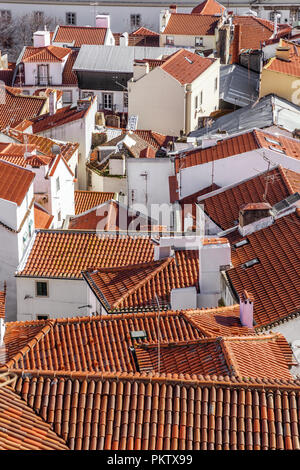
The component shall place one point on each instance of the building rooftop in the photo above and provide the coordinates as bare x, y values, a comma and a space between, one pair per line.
238, 85
14, 182
44, 54
288, 67
42, 219
191, 24
86, 200
14, 108
76, 36
186, 66
209, 7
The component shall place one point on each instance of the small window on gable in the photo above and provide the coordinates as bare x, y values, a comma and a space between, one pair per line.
170, 40
71, 18
198, 42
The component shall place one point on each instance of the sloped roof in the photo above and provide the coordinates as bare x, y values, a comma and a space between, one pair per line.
291, 67
65, 254
136, 286
2, 303
239, 144
142, 31
186, 66
209, 7
266, 356
191, 25
62, 116
42, 219
85, 200
268, 111
15, 182
223, 207
147, 411
238, 85
14, 108
76, 36
274, 280
44, 54
21, 428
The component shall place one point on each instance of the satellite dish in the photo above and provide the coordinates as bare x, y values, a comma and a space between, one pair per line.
55, 149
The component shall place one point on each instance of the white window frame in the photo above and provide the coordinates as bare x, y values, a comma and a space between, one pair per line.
36, 291
108, 101
69, 93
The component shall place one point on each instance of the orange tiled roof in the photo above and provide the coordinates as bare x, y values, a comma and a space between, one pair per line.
274, 280
42, 220
14, 182
136, 286
44, 54
209, 7
14, 108
192, 25
67, 254
85, 200
79, 35
62, 116
186, 66
153, 138
21, 428
175, 412
2, 303
240, 144
144, 32
266, 356
291, 67
69, 78
223, 208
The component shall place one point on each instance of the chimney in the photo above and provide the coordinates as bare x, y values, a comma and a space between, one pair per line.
140, 69
254, 216
246, 309
52, 102
103, 21
41, 39
283, 53
164, 19
124, 39
173, 9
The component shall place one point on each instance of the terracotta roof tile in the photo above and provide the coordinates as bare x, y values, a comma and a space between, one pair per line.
144, 32
209, 7
186, 66
191, 24
291, 67
136, 285
76, 36
69, 78
44, 54
62, 116
14, 108
85, 200
2, 303
21, 428
14, 182
274, 280
174, 412
240, 144
42, 220
223, 208
82, 250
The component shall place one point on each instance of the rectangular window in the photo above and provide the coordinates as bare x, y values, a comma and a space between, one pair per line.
107, 100
59, 216
41, 289
201, 98
67, 97
198, 42
71, 18
216, 83
170, 40
89, 178
42, 317
6, 15
196, 102
125, 99
43, 75
57, 184
135, 21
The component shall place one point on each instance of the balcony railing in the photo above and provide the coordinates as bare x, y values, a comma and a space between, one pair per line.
43, 81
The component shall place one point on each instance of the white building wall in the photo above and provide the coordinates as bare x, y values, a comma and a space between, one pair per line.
209, 42
62, 200
107, 183
65, 298
231, 170
55, 72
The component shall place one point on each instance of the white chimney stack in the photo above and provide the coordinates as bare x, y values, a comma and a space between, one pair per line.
103, 21
246, 309
41, 39
124, 39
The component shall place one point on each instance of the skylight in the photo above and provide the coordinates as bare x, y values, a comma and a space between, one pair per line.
272, 141
189, 60
250, 263
276, 149
241, 243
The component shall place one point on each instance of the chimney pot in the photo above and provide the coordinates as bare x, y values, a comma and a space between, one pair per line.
246, 309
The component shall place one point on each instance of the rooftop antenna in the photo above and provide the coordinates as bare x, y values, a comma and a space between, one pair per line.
267, 178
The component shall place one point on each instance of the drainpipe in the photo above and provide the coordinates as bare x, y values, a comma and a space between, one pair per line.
188, 108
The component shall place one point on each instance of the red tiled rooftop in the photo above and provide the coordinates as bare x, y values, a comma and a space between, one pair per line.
65, 253
76, 36
223, 208
176, 412
21, 428
191, 24
14, 108
44, 54
240, 144
274, 281
85, 200
2, 303
266, 356
62, 116
42, 220
14, 182
136, 286
186, 66
69, 78
144, 32
209, 7
291, 67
